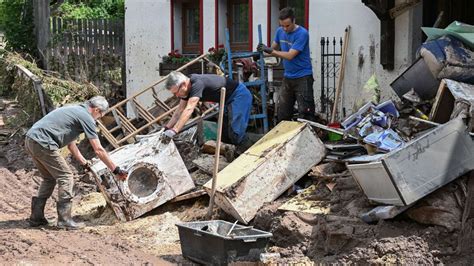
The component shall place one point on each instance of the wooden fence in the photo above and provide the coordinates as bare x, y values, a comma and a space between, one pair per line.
86, 49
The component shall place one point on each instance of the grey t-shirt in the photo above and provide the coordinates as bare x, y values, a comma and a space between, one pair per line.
208, 87
63, 125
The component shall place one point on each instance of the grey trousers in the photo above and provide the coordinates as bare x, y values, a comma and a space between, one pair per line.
301, 91
54, 169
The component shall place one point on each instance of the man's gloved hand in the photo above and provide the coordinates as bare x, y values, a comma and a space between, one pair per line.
120, 173
86, 167
167, 135
263, 48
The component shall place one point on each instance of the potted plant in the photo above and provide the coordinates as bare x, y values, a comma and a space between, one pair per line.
175, 60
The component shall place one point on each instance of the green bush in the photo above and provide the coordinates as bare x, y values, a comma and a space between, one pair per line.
16, 19
92, 9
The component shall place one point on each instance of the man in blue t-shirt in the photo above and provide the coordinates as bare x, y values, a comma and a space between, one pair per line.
292, 45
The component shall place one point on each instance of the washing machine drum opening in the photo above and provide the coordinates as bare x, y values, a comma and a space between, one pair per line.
142, 182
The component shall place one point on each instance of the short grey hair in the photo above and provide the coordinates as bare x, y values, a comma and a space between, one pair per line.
174, 79
98, 102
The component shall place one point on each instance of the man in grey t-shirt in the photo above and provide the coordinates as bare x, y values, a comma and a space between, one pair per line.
57, 129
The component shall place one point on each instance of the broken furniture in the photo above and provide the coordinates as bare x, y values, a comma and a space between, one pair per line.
220, 243
452, 98
267, 169
421, 166
157, 174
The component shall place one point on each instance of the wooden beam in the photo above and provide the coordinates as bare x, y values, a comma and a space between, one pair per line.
190, 195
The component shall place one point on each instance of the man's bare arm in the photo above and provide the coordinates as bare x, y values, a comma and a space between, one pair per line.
177, 114
102, 154
186, 114
76, 153
286, 55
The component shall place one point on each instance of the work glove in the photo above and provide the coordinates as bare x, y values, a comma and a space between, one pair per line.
120, 173
263, 48
86, 167
168, 135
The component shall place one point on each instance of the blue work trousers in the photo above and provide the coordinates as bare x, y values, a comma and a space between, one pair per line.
237, 115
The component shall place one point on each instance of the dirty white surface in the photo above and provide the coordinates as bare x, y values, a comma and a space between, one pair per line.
164, 159
267, 169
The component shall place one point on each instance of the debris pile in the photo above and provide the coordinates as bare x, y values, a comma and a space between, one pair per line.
326, 199
20, 75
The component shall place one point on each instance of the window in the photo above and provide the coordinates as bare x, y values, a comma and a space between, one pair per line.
238, 24
191, 27
299, 6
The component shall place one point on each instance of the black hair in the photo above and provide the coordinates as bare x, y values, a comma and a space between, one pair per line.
287, 12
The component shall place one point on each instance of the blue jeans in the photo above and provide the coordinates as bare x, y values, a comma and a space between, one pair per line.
237, 115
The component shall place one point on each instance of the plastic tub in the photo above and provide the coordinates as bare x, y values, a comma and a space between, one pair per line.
208, 242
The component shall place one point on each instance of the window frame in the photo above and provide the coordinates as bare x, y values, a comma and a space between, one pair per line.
304, 23
190, 48
245, 45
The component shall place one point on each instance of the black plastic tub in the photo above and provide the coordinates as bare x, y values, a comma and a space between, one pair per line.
209, 242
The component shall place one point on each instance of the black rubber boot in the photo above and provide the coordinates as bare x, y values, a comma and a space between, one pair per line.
65, 220
243, 146
37, 212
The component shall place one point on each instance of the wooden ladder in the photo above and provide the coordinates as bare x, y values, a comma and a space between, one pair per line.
144, 119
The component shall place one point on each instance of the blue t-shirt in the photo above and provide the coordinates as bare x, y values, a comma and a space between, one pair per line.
298, 40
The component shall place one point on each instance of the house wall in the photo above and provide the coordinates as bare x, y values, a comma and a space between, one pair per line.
209, 29
148, 39
259, 16
363, 56
178, 35
222, 20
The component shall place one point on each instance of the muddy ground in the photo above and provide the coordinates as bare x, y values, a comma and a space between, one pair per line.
340, 237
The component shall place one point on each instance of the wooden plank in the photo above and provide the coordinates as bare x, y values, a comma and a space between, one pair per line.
147, 125
124, 122
112, 140
89, 38
436, 104
113, 28
190, 195
106, 36
95, 40
142, 111
72, 32
53, 44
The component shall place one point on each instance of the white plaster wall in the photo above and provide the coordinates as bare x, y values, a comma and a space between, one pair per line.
178, 25
209, 29
259, 16
222, 20
330, 18
147, 40
275, 6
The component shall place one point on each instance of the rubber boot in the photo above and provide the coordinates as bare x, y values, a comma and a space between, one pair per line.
37, 212
65, 220
243, 146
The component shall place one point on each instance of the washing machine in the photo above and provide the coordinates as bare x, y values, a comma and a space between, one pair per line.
157, 174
